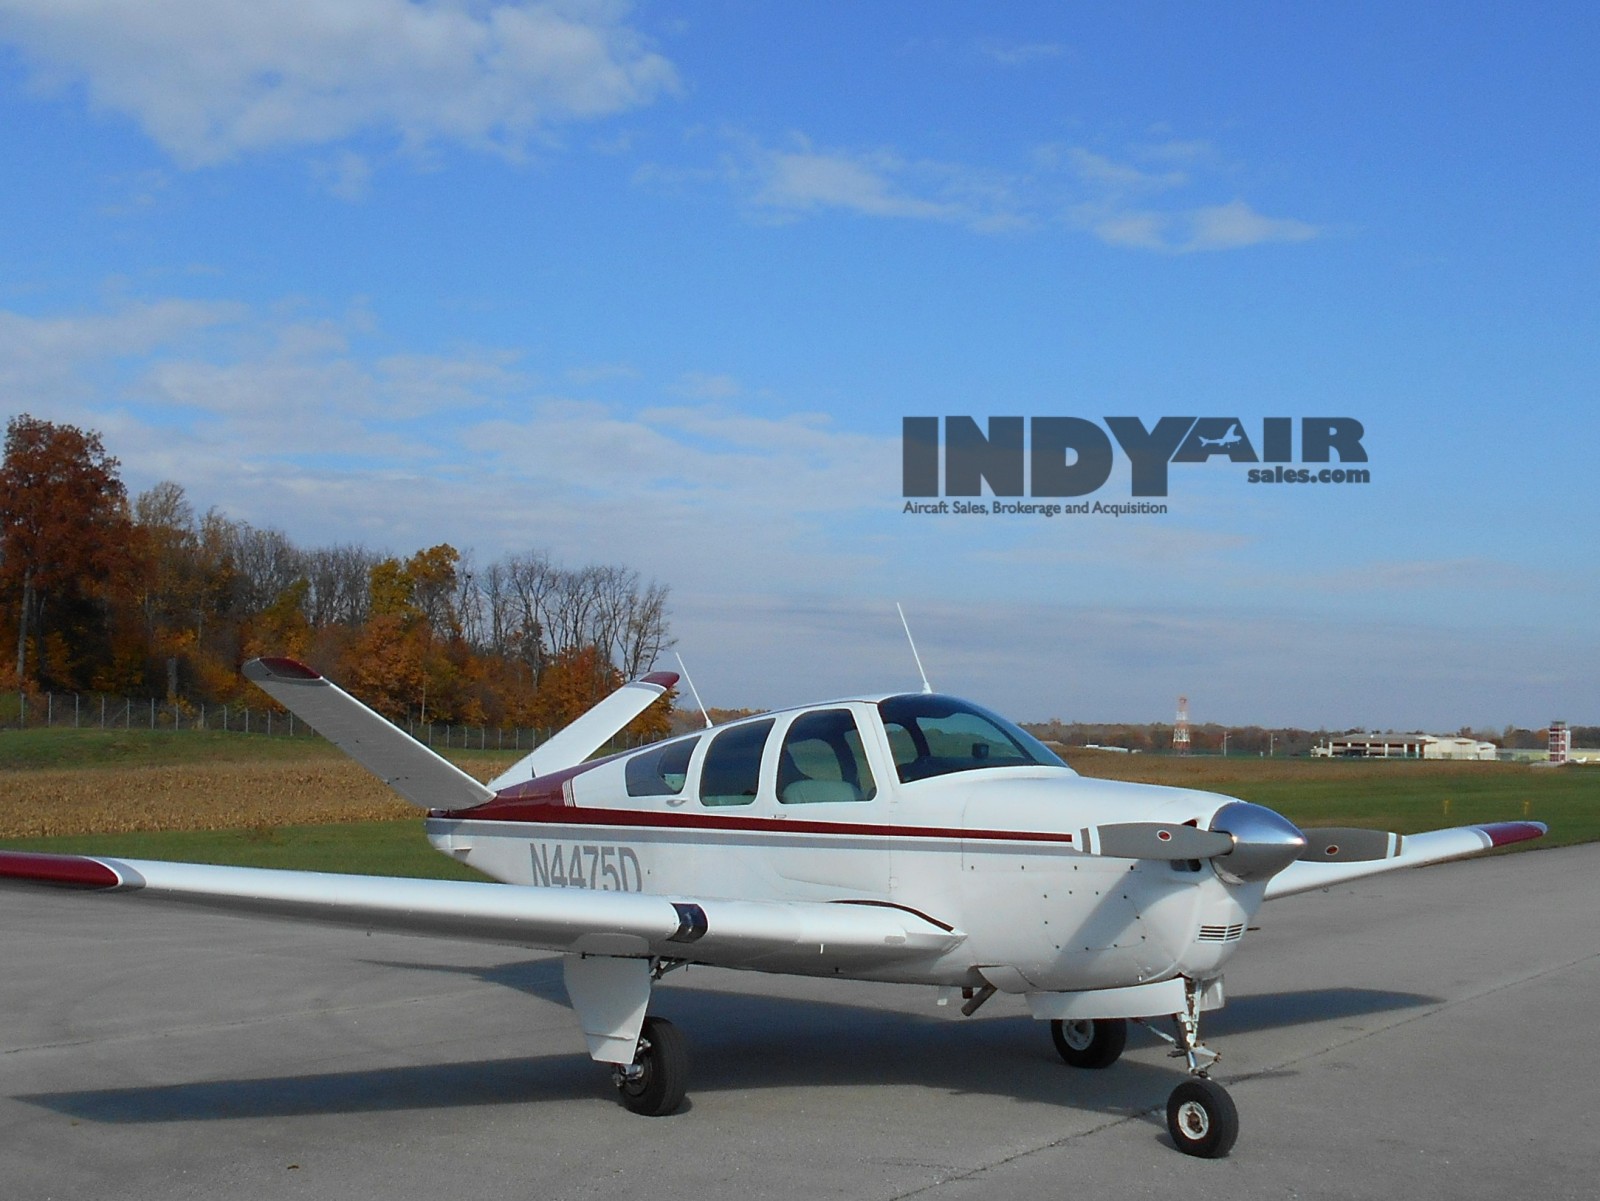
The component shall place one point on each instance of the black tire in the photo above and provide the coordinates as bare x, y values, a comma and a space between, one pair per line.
1090, 1042
1202, 1119
664, 1059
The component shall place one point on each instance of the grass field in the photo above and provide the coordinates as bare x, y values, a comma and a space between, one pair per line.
214, 797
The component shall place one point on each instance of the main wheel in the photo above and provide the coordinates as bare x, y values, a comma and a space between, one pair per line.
663, 1061
1202, 1119
1090, 1042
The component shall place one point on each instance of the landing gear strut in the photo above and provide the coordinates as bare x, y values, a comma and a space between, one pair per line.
654, 1083
1201, 1116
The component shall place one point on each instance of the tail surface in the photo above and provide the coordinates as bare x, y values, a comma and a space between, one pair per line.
422, 777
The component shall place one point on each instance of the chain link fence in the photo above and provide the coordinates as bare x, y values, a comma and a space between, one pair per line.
95, 711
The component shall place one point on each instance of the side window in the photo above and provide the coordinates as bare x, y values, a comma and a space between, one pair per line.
901, 745
662, 770
732, 766
822, 760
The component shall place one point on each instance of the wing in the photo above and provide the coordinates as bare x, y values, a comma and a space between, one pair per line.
766, 935
1335, 856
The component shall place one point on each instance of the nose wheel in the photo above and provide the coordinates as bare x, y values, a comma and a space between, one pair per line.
1202, 1119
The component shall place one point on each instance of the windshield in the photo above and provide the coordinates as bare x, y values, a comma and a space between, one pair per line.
934, 735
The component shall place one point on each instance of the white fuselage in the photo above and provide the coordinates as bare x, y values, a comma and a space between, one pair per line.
994, 852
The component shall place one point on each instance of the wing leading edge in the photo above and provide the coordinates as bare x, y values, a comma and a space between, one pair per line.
1408, 850
726, 933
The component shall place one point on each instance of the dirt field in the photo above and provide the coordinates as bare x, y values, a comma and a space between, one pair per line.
191, 797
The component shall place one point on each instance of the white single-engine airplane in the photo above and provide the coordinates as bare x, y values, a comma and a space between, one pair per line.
912, 838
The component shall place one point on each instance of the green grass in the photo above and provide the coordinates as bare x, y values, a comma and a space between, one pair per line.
396, 848
66, 748
1567, 800
30, 750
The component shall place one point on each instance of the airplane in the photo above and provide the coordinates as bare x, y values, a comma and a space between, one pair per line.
905, 837
1233, 437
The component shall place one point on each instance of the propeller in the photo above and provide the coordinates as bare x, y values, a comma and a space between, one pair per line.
1246, 843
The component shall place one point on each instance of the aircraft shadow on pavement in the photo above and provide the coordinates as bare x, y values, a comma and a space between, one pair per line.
738, 1042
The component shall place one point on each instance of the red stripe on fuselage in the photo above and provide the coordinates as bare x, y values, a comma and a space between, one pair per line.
543, 812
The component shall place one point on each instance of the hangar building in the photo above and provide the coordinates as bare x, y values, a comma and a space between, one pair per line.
1403, 746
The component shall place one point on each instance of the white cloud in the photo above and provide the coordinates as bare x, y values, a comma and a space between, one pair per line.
806, 180
1007, 53
49, 359
1230, 226
209, 80
1145, 200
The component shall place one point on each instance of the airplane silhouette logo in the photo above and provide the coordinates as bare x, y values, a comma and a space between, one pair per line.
1233, 437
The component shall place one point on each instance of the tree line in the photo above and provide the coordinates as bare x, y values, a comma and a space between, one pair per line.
145, 596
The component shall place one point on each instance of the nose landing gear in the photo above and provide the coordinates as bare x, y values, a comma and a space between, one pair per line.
1201, 1117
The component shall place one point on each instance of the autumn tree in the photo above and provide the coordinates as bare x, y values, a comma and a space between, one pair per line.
66, 541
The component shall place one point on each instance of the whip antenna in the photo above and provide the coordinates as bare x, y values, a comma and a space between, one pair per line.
693, 691
926, 687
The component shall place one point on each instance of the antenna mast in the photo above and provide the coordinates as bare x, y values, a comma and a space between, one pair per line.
693, 691
926, 687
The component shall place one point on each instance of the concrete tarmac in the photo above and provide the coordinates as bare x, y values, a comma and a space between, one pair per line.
1425, 1034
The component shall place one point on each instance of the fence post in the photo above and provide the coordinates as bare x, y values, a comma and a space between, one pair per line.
152, 713
269, 723
77, 706
22, 710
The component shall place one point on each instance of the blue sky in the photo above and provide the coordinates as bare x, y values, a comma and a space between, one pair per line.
656, 285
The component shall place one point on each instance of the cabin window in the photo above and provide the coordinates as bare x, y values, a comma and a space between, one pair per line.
935, 735
732, 767
662, 770
823, 760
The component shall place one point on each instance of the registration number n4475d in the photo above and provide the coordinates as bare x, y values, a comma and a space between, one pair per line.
607, 868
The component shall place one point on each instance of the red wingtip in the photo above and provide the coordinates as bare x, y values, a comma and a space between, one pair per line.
662, 679
1503, 834
68, 871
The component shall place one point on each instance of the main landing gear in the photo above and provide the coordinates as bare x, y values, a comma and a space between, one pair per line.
654, 1083
1201, 1116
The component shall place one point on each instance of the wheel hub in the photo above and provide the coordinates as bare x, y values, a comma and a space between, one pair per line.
1193, 1119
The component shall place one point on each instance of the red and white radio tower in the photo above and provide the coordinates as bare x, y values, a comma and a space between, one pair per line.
1180, 729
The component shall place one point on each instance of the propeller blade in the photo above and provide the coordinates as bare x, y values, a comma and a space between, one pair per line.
1348, 844
1154, 840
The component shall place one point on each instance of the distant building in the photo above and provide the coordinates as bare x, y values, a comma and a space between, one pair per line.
1404, 746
